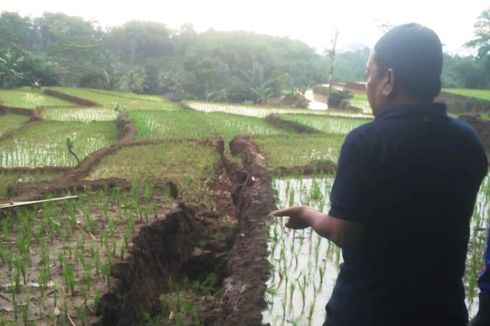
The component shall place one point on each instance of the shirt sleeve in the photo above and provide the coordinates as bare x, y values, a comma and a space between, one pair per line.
351, 196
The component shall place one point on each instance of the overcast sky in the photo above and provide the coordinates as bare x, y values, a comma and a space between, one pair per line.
311, 21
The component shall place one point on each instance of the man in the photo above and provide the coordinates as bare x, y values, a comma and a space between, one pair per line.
403, 195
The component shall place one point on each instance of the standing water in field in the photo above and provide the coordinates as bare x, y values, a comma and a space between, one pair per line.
304, 266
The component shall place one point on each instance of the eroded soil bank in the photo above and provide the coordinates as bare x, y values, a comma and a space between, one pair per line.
226, 242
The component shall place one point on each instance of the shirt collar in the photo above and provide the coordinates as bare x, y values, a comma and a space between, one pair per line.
413, 110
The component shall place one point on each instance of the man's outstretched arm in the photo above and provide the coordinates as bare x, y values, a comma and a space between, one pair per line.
342, 232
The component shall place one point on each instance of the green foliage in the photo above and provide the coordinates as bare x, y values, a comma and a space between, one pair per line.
10, 74
482, 33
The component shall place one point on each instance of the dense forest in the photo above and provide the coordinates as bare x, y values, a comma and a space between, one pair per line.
149, 57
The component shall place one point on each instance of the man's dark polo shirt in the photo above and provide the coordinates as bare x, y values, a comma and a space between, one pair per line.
410, 177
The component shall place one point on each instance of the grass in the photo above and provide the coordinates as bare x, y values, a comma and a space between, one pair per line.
29, 99
81, 114
11, 121
44, 144
299, 150
327, 124
481, 94
129, 101
186, 163
198, 125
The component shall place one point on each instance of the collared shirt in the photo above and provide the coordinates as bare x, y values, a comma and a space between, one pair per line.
410, 177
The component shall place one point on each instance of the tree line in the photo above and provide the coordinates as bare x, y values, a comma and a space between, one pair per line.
149, 57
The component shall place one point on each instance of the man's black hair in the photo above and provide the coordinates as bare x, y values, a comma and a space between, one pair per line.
414, 52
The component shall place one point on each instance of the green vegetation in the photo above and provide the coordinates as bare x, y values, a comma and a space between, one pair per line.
11, 121
81, 114
480, 94
29, 99
198, 125
303, 265
57, 256
126, 100
247, 110
298, 150
187, 163
38, 145
326, 124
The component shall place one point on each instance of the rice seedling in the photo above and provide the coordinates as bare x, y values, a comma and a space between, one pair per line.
38, 146
79, 114
299, 294
247, 110
198, 125
317, 263
307, 149
326, 124
30, 99
57, 247
129, 101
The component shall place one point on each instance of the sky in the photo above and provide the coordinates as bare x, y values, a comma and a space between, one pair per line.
311, 21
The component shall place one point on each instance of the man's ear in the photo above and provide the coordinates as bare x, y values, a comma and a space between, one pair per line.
389, 83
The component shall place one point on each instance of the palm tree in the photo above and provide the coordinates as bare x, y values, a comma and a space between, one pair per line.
133, 80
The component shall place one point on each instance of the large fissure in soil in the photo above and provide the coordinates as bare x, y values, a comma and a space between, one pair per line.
196, 243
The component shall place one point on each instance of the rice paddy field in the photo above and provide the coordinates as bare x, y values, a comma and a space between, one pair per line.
30, 99
9, 122
128, 101
198, 125
44, 143
59, 259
